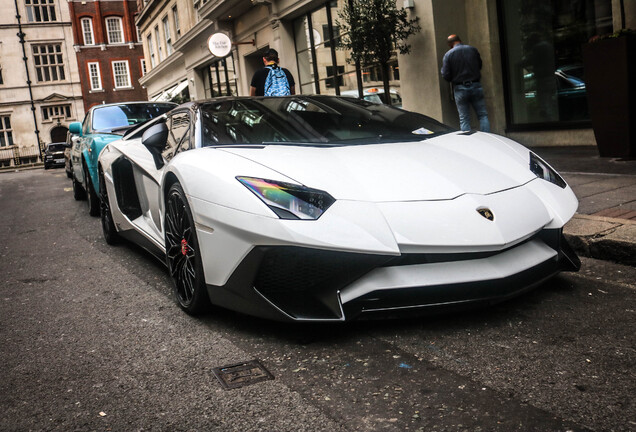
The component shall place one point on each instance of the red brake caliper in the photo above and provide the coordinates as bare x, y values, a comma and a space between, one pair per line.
184, 247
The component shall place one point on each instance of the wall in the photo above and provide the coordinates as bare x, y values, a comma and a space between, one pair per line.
14, 93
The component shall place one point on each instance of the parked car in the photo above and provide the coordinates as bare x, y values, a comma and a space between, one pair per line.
68, 163
376, 95
103, 124
54, 154
324, 208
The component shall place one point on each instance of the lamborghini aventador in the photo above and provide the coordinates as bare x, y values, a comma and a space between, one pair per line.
331, 208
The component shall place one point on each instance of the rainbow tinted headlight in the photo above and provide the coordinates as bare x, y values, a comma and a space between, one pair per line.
543, 171
289, 201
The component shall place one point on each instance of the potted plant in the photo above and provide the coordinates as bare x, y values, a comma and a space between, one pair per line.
610, 68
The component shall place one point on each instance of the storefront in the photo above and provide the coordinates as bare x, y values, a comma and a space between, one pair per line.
542, 62
532, 73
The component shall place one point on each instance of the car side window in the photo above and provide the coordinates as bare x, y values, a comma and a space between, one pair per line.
179, 134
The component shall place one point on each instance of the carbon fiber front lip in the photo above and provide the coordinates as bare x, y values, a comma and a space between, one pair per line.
332, 298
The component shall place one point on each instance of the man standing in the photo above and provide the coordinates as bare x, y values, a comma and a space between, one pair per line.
462, 67
272, 80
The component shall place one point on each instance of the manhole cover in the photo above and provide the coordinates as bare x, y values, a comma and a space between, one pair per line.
242, 374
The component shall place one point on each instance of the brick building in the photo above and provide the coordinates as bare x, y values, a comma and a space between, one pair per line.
109, 52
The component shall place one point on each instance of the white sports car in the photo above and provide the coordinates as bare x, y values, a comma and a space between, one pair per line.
329, 208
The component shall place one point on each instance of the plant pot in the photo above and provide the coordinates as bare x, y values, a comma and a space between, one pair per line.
610, 80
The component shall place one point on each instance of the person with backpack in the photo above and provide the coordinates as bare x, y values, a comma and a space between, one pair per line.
272, 80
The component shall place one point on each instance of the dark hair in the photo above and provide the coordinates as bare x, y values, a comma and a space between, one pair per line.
271, 55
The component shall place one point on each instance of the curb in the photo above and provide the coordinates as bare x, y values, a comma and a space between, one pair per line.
603, 238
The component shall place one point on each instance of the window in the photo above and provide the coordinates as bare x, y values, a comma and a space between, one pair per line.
542, 59
158, 44
40, 10
322, 66
177, 26
51, 113
6, 135
143, 66
49, 64
138, 34
87, 31
95, 76
151, 50
166, 33
121, 74
179, 137
114, 30
1, 80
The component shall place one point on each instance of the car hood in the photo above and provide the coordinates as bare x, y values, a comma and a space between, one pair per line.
439, 168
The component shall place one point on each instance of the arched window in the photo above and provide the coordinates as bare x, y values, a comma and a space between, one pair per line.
87, 31
115, 30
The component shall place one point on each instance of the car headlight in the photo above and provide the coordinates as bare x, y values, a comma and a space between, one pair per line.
289, 201
543, 171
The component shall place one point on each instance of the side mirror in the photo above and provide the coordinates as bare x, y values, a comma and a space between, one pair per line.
155, 139
75, 128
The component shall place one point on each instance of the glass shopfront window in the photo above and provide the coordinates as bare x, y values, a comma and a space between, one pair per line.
221, 79
542, 56
322, 66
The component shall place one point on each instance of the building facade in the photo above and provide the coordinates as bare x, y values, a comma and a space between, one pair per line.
532, 63
40, 92
109, 51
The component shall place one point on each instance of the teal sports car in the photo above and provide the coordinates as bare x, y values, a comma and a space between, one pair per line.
102, 125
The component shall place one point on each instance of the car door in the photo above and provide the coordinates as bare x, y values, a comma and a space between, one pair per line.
150, 178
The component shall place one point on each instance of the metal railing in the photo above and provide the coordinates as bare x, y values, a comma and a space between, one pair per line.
16, 156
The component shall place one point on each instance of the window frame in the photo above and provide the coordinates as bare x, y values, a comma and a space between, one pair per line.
151, 50
91, 31
114, 63
120, 22
99, 75
41, 8
177, 26
43, 65
142, 66
48, 112
158, 38
165, 22
6, 132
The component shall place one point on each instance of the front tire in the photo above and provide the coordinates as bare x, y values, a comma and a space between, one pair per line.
108, 226
92, 199
78, 191
183, 253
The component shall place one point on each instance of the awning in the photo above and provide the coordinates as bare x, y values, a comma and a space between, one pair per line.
165, 95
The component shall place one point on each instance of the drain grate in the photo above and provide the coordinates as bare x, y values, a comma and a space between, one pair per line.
242, 374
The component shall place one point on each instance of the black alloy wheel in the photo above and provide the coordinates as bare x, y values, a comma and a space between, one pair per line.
78, 191
108, 226
91, 195
182, 253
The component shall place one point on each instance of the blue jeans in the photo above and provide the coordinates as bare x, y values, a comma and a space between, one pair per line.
467, 96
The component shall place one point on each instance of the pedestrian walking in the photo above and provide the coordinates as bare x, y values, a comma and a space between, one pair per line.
272, 80
462, 67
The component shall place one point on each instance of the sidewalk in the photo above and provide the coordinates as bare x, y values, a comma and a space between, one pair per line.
605, 224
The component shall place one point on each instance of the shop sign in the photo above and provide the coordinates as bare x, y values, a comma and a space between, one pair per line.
220, 45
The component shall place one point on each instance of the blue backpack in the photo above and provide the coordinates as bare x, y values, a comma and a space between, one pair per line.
276, 83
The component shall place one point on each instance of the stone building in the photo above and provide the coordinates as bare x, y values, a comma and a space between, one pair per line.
109, 51
40, 92
532, 75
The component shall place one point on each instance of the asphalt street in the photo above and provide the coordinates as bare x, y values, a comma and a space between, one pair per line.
91, 339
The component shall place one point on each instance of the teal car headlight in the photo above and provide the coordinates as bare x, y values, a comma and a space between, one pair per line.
289, 201
543, 171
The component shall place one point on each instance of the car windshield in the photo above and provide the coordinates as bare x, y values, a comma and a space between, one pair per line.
312, 120
56, 147
119, 118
